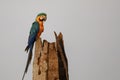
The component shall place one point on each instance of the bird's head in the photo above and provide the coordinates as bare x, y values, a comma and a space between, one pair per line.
41, 17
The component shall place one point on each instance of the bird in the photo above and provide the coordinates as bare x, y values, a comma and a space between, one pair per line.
35, 32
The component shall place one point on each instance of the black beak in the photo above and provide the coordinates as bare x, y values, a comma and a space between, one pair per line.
45, 19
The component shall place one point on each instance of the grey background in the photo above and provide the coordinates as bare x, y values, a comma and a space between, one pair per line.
91, 30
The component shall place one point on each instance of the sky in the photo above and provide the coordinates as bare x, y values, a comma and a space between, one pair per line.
91, 32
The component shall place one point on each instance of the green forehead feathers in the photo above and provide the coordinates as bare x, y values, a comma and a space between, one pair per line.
40, 14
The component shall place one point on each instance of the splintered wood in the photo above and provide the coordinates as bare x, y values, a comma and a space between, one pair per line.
50, 61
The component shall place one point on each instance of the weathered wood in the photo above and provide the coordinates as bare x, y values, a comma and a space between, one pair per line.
50, 61
62, 59
40, 61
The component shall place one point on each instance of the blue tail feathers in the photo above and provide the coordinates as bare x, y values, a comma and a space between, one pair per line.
29, 58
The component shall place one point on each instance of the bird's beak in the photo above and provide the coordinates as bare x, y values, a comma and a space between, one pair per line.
45, 19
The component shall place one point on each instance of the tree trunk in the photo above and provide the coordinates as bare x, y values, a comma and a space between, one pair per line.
50, 61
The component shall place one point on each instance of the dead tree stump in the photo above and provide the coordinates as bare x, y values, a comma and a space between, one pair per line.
50, 61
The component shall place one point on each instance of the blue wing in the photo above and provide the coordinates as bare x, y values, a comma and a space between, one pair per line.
33, 33
32, 38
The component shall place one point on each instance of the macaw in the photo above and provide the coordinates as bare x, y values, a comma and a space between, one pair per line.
35, 32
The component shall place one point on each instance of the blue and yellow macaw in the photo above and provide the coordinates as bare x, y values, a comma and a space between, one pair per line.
35, 32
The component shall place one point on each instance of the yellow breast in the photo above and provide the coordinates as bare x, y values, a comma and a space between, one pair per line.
41, 29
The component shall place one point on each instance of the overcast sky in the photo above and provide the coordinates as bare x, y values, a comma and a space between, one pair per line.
91, 31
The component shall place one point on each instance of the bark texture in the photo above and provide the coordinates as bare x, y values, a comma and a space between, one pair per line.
50, 61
